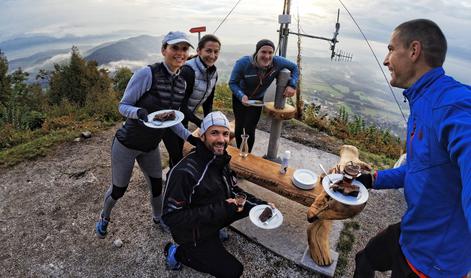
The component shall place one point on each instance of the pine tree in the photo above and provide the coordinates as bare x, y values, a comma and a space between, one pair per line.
75, 80
121, 79
5, 91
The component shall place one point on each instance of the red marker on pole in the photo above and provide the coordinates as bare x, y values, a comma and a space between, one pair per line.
198, 30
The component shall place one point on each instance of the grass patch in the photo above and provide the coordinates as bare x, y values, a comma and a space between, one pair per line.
343, 89
223, 99
377, 161
325, 89
42, 145
346, 241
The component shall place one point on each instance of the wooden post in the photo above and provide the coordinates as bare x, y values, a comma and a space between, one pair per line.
325, 209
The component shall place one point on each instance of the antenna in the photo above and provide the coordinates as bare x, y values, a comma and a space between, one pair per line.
340, 55
335, 55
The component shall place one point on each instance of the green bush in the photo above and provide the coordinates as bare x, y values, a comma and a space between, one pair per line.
12, 136
354, 131
222, 97
34, 119
102, 106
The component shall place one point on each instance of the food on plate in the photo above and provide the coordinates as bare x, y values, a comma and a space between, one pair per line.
345, 188
165, 116
266, 214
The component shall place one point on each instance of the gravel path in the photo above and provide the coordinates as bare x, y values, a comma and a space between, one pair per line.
48, 209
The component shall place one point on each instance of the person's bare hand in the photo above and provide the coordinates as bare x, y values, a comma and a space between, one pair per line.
231, 201
289, 92
245, 100
272, 205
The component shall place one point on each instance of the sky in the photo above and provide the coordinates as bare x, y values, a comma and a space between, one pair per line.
249, 22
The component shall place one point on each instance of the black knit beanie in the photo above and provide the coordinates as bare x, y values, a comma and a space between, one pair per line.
263, 43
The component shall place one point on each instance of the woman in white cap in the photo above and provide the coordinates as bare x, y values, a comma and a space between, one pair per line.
152, 88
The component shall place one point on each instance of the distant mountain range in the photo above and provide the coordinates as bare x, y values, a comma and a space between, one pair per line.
133, 49
22, 43
35, 59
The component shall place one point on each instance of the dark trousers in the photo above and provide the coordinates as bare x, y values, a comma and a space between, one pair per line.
174, 146
245, 117
209, 256
383, 253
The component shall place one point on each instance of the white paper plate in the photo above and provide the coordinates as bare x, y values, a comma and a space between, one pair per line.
348, 200
273, 223
304, 179
256, 103
157, 124
301, 186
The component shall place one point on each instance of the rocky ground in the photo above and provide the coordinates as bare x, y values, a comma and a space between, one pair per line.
48, 208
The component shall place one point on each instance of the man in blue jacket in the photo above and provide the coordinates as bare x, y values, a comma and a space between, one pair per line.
434, 237
250, 78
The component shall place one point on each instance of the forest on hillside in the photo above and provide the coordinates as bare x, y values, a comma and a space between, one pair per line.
79, 95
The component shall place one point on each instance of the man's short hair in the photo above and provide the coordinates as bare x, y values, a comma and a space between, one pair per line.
208, 38
428, 33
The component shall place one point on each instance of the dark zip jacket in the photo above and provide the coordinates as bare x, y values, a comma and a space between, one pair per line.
195, 206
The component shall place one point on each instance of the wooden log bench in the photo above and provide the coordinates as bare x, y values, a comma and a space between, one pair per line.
267, 174
264, 173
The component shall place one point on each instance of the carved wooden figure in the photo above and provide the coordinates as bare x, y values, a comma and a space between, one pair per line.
325, 209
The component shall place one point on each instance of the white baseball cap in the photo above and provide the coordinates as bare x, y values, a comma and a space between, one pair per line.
176, 37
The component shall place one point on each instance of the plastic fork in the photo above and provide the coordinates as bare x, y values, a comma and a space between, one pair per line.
326, 175
271, 218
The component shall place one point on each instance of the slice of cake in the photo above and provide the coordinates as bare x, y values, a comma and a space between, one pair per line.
165, 116
266, 214
346, 188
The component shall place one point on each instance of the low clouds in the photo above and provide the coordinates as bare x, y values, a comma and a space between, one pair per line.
250, 21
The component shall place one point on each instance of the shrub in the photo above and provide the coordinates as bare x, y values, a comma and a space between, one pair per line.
355, 132
60, 122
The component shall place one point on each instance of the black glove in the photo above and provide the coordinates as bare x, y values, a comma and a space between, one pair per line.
366, 179
193, 140
142, 114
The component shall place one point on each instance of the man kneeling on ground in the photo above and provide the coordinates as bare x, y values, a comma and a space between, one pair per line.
199, 200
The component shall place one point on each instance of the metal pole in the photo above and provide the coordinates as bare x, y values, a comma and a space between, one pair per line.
281, 83
273, 144
275, 133
284, 21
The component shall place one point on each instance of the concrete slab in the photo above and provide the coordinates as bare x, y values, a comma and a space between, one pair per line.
308, 263
290, 240
301, 156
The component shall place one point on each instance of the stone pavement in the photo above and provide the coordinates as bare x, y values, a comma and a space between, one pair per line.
290, 239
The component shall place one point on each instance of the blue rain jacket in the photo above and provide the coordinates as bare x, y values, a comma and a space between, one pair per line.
436, 228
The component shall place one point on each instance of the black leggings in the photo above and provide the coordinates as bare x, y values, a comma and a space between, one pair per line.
209, 256
383, 253
174, 146
245, 117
